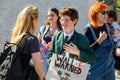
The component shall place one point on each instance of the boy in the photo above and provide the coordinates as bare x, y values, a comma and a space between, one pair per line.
77, 45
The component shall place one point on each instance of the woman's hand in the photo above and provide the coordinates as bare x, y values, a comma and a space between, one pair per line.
72, 48
102, 37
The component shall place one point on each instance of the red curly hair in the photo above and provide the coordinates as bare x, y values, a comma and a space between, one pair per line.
94, 10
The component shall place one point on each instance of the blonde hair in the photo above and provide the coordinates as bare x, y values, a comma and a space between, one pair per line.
24, 23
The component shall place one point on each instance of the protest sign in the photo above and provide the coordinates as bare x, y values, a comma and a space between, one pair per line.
64, 68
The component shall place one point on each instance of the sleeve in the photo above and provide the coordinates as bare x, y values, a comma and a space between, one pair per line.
115, 25
86, 52
34, 44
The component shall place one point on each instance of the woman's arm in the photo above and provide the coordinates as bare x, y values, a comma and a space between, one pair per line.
39, 37
37, 64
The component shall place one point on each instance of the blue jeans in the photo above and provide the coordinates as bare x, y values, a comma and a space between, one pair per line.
103, 67
108, 76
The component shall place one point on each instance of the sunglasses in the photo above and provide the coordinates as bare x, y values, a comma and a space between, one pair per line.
103, 12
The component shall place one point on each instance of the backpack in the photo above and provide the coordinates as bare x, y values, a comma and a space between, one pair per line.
10, 62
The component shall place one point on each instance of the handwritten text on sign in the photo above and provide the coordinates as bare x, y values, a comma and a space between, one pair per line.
62, 67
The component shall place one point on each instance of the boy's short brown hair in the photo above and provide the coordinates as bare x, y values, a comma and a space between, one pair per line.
69, 11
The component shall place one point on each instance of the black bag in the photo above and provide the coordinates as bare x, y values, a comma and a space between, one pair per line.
10, 62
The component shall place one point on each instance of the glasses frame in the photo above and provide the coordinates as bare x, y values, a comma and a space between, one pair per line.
64, 20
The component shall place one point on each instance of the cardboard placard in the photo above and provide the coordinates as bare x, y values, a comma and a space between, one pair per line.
64, 68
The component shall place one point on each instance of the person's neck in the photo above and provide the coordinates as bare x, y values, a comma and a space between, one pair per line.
31, 31
68, 31
100, 24
53, 26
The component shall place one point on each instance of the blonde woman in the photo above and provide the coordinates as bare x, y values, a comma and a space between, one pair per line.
27, 22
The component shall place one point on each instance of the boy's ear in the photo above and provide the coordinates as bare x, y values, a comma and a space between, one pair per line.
75, 21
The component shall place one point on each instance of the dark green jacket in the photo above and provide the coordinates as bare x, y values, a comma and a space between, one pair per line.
86, 52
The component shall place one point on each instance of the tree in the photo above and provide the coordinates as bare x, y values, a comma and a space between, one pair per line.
118, 5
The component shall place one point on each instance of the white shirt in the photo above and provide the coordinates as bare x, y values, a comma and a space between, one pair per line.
116, 26
69, 37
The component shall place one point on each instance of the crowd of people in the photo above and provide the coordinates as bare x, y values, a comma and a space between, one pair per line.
98, 46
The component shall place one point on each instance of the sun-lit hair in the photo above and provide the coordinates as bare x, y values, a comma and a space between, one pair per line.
69, 11
94, 10
24, 23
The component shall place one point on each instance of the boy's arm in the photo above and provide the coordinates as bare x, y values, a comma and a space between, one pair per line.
86, 53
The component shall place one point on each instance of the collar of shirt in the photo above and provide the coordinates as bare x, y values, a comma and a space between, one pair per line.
69, 35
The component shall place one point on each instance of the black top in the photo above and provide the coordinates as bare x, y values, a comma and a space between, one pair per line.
97, 30
44, 31
47, 37
28, 45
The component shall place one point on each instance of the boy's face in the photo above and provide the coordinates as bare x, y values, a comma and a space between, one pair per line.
67, 24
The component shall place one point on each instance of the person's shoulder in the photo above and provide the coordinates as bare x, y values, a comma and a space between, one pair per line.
42, 27
32, 37
29, 39
115, 26
81, 36
87, 28
59, 32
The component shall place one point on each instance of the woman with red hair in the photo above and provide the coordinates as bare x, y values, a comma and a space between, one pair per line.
99, 37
